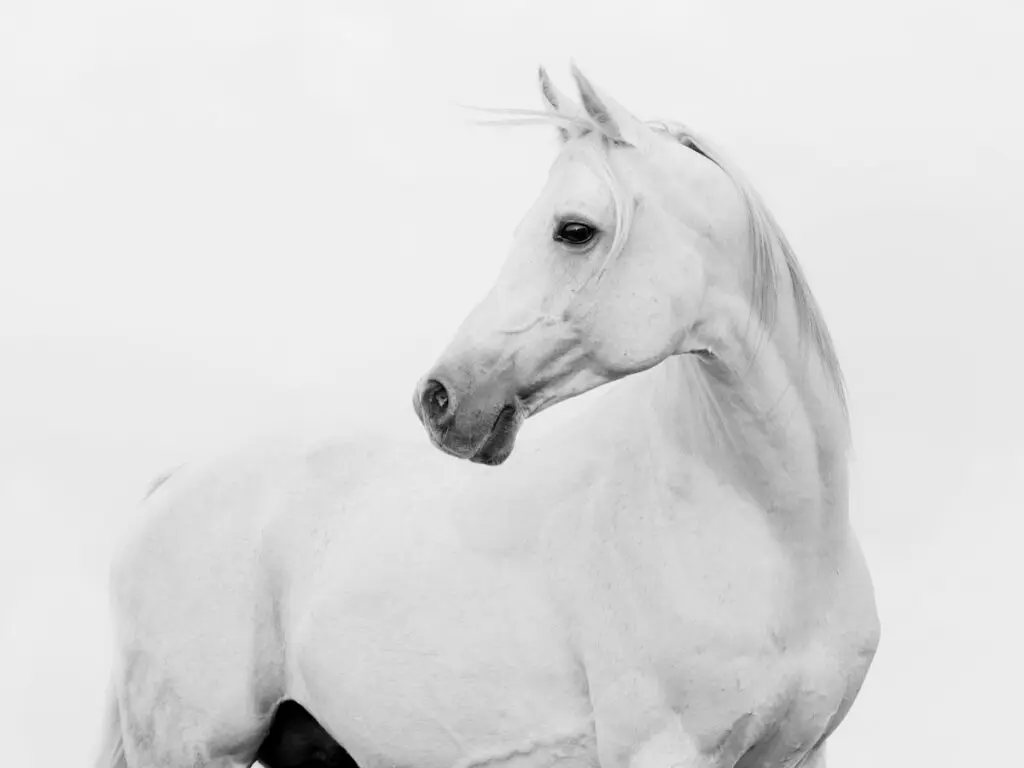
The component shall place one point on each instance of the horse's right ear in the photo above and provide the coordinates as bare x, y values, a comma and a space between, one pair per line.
559, 103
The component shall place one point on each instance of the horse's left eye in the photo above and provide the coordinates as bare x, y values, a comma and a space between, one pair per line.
574, 233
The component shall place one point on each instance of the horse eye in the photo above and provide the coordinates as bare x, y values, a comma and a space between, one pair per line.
574, 233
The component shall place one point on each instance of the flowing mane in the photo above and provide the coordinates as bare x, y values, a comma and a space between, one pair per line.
768, 240
771, 249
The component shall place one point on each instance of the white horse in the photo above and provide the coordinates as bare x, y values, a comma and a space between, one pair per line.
671, 581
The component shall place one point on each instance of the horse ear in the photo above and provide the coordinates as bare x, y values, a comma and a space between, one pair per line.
559, 103
610, 116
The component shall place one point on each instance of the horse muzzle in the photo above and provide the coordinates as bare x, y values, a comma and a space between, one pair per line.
468, 420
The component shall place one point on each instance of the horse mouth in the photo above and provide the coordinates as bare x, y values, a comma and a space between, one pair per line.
498, 445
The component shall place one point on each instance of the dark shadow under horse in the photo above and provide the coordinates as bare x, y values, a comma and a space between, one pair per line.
297, 740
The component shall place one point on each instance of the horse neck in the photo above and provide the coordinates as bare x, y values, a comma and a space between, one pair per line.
761, 414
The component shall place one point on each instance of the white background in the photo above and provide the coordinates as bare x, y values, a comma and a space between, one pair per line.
221, 219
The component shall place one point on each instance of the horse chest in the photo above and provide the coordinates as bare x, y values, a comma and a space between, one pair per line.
739, 698
697, 615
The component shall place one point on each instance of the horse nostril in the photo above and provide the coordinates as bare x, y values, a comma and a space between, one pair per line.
436, 401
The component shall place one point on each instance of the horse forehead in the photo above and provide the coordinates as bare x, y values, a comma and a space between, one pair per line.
576, 178
577, 166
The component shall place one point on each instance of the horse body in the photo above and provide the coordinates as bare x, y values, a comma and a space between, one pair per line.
670, 580
521, 623
523, 626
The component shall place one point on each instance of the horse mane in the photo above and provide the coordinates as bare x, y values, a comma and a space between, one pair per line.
768, 239
769, 243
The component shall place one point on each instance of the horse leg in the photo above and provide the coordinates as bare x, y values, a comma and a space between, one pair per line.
635, 729
199, 649
671, 746
170, 722
294, 739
